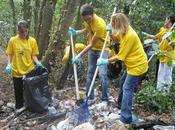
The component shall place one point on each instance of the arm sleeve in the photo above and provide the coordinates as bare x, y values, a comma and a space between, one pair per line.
35, 50
160, 34
9, 50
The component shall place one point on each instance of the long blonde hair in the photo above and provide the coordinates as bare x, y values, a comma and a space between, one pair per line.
120, 23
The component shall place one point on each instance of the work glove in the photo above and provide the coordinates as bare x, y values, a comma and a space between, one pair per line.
102, 61
109, 28
39, 65
9, 69
76, 59
72, 32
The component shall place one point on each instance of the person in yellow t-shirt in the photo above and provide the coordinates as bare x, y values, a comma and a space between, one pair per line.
95, 27
21, 50
131, 52
164, 77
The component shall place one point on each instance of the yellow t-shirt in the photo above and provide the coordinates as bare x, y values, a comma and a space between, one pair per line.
78, 48
131, 52
97, 28
164, 47
22, 51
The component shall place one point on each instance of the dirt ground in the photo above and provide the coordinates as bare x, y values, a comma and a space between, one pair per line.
5, 81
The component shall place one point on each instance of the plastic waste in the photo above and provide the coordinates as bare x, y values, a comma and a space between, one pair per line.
52, 110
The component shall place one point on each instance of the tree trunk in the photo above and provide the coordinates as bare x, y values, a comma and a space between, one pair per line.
27, 8
36, 15
78, 19
56, 47
39, 19
46, 25
12, 5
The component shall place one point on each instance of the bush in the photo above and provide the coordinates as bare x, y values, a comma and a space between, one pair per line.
155, 101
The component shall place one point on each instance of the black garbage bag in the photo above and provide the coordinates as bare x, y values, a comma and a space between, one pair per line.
114, 69
36, 90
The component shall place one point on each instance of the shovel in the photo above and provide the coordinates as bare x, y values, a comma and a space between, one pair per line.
78, 101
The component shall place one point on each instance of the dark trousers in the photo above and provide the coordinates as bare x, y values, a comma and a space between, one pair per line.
121, 82
18, 88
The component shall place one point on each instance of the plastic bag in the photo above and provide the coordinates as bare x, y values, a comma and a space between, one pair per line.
36, 91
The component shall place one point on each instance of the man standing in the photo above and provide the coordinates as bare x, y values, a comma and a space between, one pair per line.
95, 27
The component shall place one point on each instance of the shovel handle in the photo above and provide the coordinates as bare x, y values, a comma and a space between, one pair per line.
75, 70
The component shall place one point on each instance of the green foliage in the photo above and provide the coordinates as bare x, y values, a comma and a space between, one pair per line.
6, 21
173, 34
154, 100
149, 15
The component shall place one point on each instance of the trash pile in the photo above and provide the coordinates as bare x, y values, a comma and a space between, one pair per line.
59, 117
102, 118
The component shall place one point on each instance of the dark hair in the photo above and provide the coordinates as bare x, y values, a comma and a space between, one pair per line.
171, 18
86, 9
22, 23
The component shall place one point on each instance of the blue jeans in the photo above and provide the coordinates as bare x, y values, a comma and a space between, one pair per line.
129, 87
92, 60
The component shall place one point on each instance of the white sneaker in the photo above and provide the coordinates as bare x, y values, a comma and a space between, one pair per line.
102, 105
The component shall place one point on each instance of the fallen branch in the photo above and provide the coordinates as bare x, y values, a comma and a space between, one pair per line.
148, 124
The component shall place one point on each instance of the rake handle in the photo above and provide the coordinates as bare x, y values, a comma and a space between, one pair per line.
75, 70
102, 51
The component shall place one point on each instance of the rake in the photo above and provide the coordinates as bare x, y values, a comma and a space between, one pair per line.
82, 114
79, 101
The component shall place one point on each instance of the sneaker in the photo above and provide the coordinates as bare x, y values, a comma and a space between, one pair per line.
134, 118
102, 105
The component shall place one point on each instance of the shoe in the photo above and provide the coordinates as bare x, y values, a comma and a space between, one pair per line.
20, 109
102, 105
134, 118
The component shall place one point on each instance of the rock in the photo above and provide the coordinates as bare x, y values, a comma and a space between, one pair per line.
29, 124
85, 126
11, 105
112, 117
53, 127
64, 125
1, 102
159, 127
